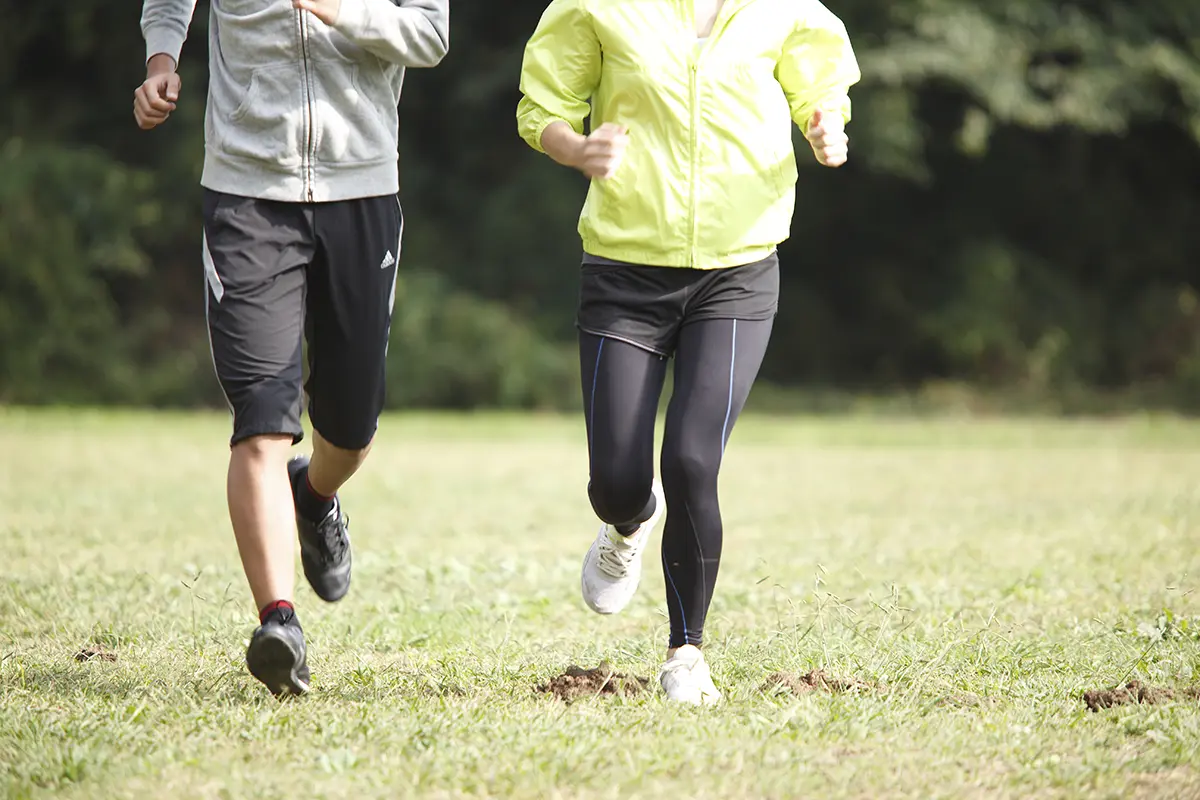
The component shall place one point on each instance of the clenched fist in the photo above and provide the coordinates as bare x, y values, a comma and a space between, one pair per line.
155, 99
827, 135
602, 151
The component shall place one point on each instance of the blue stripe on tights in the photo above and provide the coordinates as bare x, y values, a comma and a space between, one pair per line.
729, 402
678, 597
592, 403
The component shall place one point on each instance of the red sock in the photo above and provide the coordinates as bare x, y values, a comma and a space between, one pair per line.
269, 607
311, 504
315, 493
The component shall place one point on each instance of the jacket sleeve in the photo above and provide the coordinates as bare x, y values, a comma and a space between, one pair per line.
165, 25
560, 71
411, 33
817, 66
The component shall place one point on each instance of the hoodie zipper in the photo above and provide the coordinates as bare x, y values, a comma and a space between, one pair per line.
309, 105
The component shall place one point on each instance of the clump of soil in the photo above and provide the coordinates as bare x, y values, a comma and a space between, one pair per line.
814, 681
95, 652
577, 682
961, 700
1136, 692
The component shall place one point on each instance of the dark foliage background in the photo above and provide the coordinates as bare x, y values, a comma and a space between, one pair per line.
1021, 215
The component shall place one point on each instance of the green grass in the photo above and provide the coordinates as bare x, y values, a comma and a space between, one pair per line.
981, 575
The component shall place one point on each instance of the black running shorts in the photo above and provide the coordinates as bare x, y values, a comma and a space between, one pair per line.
648, 306
279, 274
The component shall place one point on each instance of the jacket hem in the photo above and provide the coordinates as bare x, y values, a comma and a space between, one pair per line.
263, 180
678, 258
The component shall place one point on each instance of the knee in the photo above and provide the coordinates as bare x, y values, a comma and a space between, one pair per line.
692, 469
263, 449
619, 496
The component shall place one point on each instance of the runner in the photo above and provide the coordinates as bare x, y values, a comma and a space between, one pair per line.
302, 232
693, 187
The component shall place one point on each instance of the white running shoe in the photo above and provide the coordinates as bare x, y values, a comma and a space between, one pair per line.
612, 567
686, 679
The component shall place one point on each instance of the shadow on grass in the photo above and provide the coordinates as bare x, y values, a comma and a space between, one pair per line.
84, 678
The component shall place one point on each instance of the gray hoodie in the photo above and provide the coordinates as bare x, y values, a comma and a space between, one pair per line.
297, 110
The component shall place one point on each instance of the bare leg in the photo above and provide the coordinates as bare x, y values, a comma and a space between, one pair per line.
264, 521
332, 466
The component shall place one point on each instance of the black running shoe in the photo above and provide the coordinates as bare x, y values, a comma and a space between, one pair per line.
277, 655
324, 545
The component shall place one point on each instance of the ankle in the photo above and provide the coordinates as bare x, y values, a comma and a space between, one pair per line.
320, 495
321, 487
671, 651
283, 606
312, 504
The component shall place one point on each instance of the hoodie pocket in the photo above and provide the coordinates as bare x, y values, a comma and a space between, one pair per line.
352, 115
268, 124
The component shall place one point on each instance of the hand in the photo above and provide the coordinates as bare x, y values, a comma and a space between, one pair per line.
827, 135
155, 99
325, 10
602, 151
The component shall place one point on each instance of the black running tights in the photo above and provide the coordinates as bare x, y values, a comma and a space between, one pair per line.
716, 362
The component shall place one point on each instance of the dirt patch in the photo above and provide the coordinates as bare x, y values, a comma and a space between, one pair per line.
1136, 692
577, 682
814, 681
1172, 784
961, 700
95, 652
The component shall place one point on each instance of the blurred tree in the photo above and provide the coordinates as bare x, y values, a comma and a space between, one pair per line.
1020, 211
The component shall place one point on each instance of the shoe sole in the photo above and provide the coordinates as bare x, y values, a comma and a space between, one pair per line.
294, 465
275, 662
702, 698
704, 701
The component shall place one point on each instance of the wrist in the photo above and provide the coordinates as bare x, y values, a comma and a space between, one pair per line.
573, 154
159, 64
563, 144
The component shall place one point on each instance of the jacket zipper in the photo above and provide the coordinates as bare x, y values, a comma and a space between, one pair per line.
719, 24
694, 133
695, 152
307, 164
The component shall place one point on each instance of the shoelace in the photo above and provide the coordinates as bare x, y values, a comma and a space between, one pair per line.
332, 531
615, 561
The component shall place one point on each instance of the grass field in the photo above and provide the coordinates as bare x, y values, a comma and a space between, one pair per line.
978, 577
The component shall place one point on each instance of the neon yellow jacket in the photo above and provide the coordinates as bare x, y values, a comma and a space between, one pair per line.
708, 179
